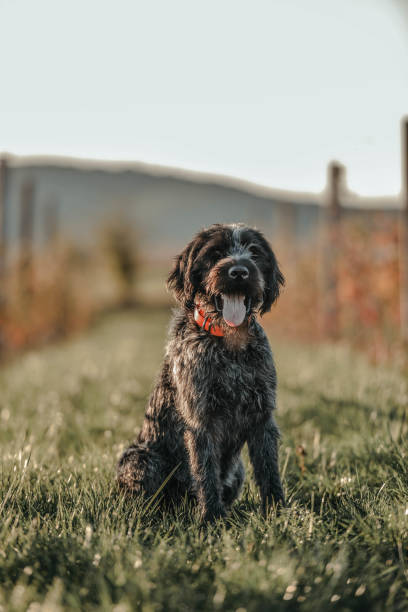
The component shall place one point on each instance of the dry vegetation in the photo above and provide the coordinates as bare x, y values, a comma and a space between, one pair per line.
64, 291
367, 293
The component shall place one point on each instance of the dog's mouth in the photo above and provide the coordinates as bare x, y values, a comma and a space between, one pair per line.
234, 308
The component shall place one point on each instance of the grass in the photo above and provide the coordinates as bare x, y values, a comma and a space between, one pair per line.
69, 540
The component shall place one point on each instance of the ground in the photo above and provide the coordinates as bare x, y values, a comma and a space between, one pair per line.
69, 540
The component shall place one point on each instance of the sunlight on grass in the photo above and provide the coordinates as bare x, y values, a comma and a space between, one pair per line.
69, 539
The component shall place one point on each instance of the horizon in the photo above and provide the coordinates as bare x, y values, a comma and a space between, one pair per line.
188, 174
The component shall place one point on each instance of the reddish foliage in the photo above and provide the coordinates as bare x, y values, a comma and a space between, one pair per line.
42, 304
367, 289
62, 300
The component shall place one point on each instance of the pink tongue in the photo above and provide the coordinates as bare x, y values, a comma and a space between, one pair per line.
234, 310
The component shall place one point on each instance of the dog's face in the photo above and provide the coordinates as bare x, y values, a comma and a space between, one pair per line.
230, 270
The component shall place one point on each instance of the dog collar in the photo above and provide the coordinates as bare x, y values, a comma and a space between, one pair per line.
204, 321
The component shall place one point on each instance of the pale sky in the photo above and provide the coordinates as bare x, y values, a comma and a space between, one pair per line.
266, 90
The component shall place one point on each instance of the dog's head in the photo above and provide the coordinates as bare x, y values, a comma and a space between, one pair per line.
230, 270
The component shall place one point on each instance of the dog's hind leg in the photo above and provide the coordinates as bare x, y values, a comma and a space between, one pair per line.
233, 483
142, 469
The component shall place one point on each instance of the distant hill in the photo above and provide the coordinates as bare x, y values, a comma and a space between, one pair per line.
165, 205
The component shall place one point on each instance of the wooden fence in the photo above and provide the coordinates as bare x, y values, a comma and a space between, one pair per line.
331, 245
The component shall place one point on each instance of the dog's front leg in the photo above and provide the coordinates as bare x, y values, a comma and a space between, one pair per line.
263, 452
205, 472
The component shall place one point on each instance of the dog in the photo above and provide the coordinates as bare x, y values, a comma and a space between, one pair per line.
217, 387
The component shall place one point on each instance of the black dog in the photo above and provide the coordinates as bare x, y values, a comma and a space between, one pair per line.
217, 385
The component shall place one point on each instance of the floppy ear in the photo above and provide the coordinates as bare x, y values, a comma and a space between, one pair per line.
274, 281
181, 278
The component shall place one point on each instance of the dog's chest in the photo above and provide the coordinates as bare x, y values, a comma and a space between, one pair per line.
217, 385
234, 381
236, 389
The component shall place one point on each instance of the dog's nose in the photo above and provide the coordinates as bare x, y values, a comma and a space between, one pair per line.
238, 272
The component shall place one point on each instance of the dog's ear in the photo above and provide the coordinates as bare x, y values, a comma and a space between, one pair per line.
274, 281
181, 279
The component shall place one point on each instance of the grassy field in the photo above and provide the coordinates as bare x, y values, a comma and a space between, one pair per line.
68, 540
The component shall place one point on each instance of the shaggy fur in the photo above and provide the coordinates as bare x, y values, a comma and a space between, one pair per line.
214, 394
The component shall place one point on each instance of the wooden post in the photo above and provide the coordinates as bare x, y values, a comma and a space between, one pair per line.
404, 232
3, 212
287, 240
330, 315
26, 236
3, 242
287, 223
51, 223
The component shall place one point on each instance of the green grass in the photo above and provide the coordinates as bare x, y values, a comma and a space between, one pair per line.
69, 540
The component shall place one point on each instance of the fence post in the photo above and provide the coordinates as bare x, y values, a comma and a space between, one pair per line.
286, 238
26, 235
331, 216
3, 243
404, 232
51, 223
287, 222
3, 212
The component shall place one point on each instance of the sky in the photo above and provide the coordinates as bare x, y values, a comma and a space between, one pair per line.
266, 90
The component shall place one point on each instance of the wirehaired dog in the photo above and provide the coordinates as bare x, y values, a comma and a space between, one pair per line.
217, 386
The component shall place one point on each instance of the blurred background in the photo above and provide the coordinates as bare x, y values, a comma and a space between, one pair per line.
126, 127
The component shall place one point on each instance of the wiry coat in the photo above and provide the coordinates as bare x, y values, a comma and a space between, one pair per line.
213, 393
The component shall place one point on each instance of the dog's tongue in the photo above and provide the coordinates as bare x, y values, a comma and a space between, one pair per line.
233, 310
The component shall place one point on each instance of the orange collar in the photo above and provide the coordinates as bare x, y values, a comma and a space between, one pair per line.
204, 322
